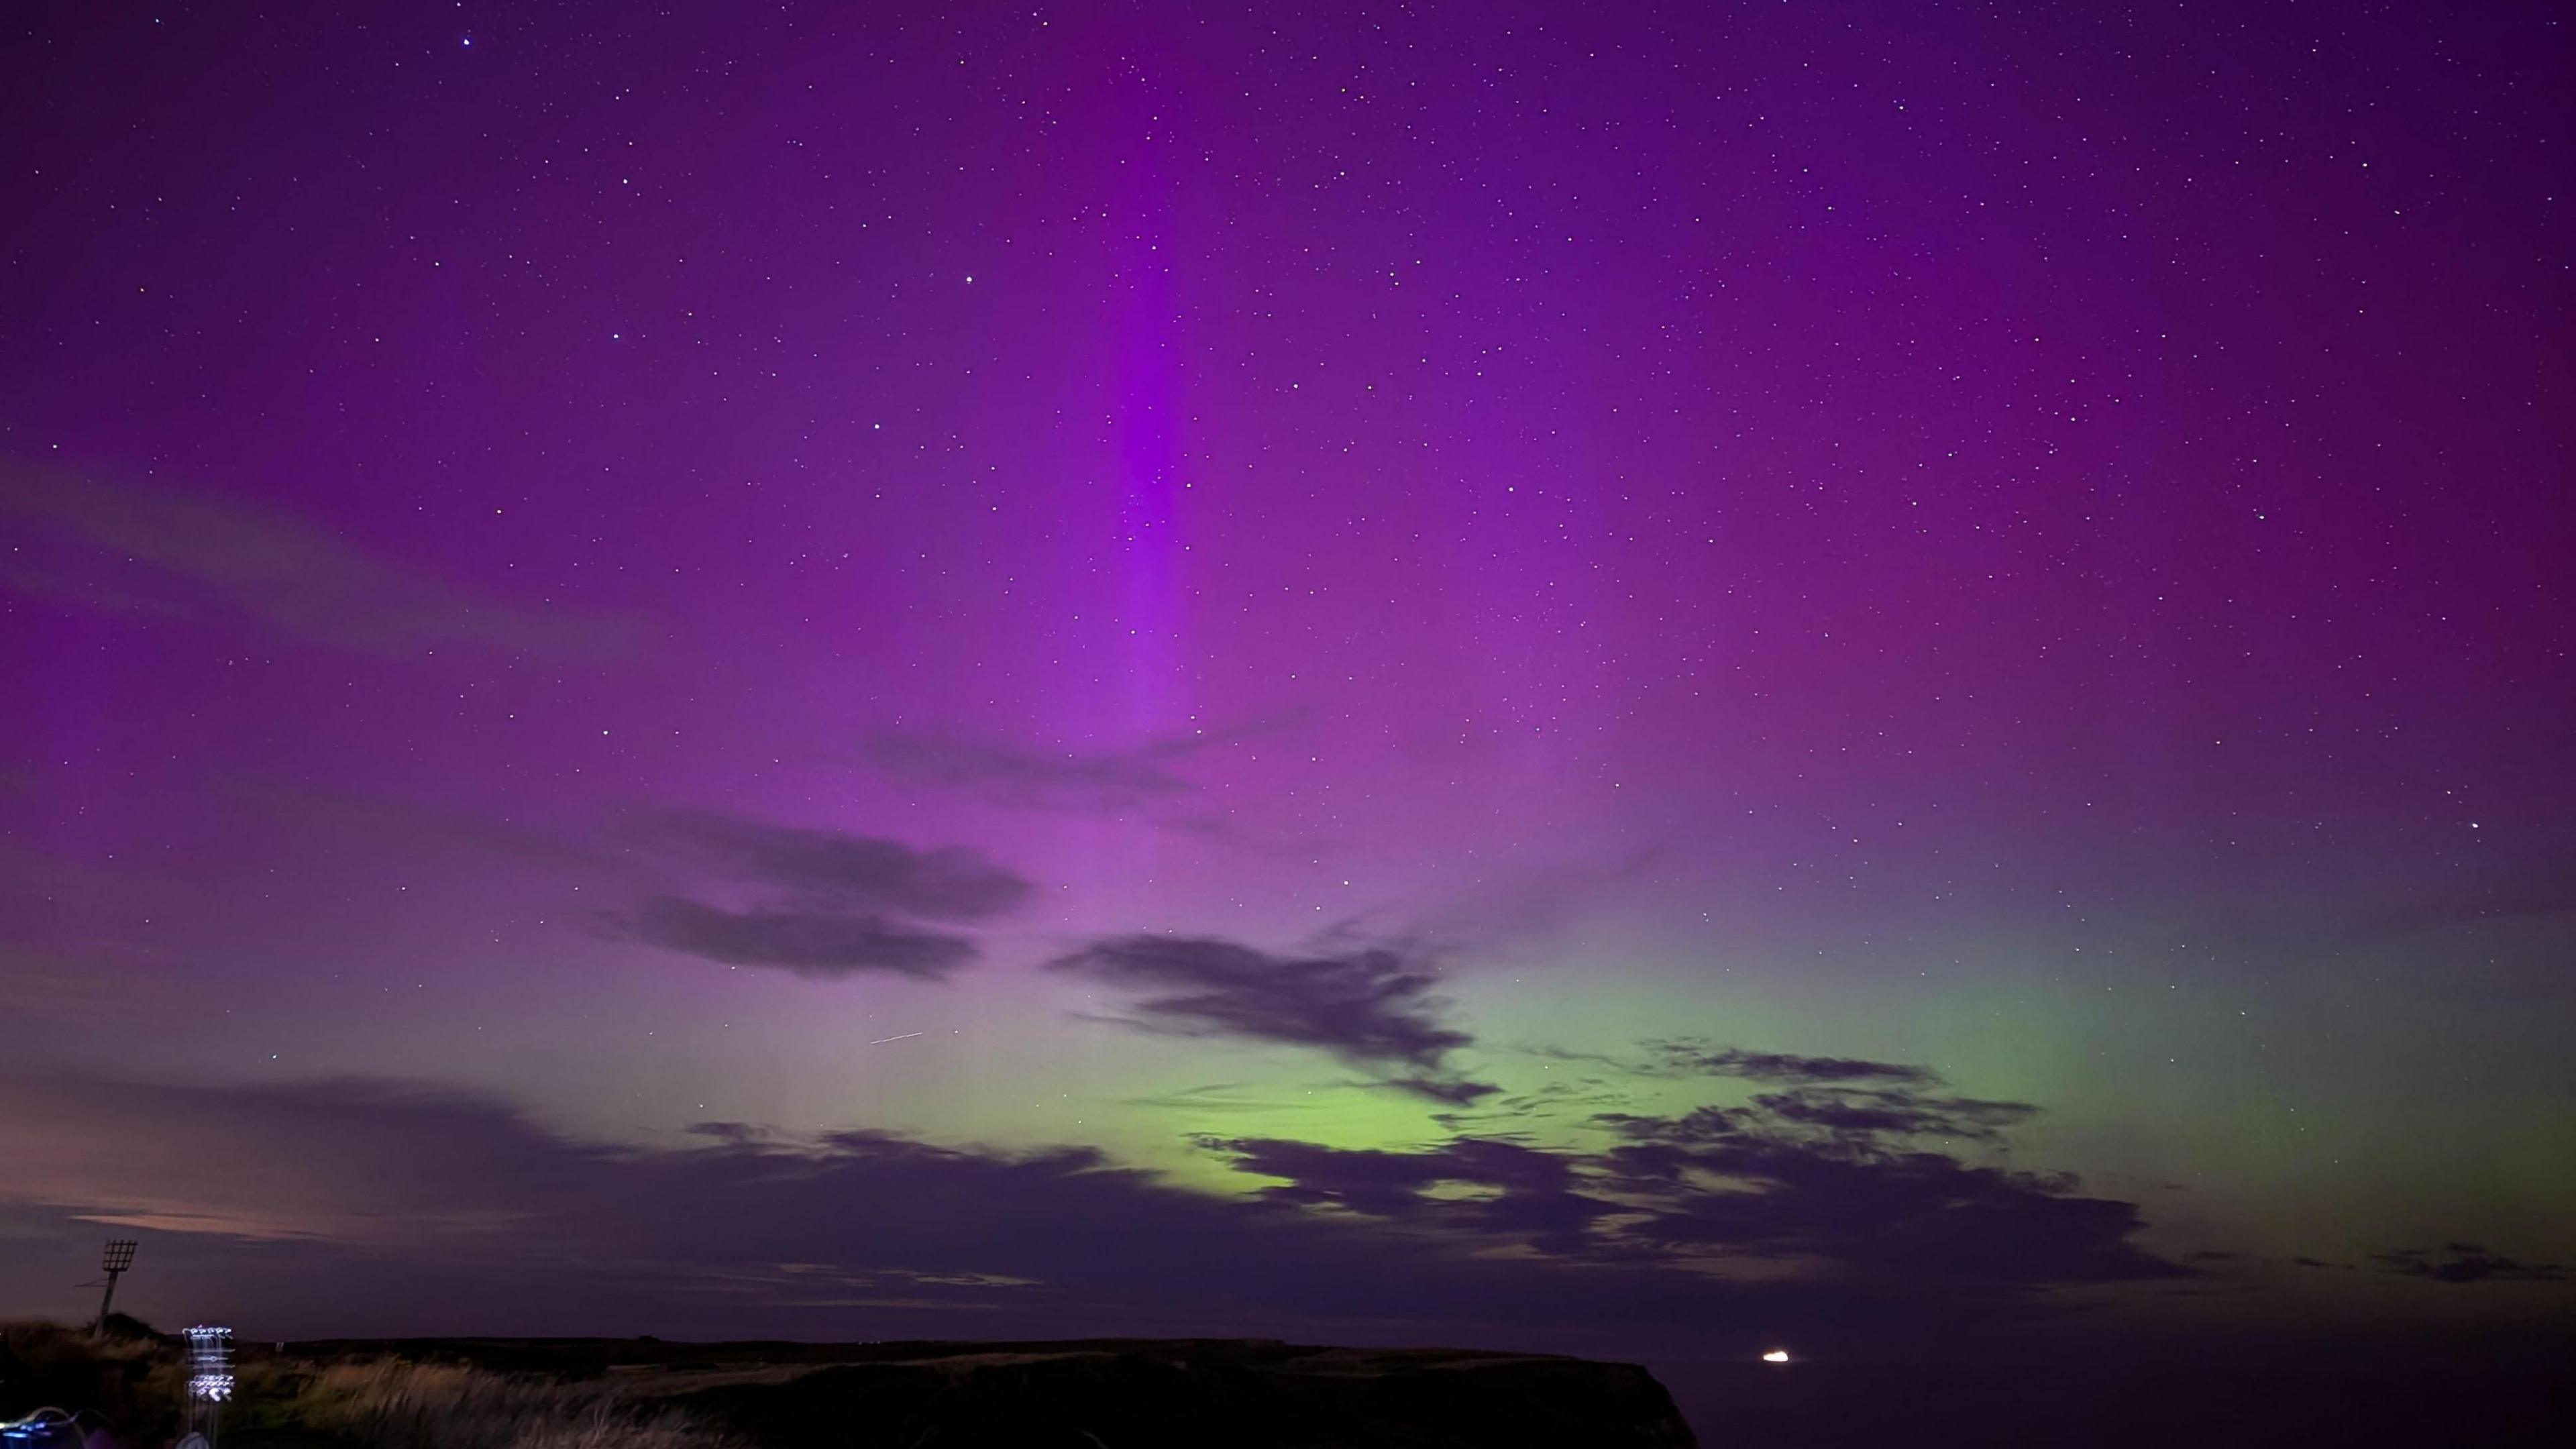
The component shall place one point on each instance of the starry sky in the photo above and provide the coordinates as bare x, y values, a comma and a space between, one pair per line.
1631, 678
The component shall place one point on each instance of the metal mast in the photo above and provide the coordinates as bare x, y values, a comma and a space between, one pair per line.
118, 1257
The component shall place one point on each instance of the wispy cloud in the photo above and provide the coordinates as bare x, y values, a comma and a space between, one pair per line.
2466, 1263
816, 943
1692, 1056
1858, 1111
131, 548
1373, 1006
1140, 778
948, 883
1103, 782
815, 902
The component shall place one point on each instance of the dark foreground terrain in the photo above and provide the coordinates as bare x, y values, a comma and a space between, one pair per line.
1104, 1394
1137, 1394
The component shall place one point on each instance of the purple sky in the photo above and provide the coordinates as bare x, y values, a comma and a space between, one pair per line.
1734, 669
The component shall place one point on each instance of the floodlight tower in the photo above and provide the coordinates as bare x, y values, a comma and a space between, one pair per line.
118, 1257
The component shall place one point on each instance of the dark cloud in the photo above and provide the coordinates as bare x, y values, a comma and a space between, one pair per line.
809, 943
1455, 1093
1768, 1182
1524, 1193
2466, 1263
1691, 1056
1780, 1179
850, 871
825, 903
817, 902
1371, 1006
131, 549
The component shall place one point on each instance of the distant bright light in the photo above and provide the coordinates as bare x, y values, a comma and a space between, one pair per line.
1777, 1355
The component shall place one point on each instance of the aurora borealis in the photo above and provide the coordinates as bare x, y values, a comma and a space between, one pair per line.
1627, 678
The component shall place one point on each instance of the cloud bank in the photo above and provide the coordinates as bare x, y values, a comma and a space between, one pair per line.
464, 1200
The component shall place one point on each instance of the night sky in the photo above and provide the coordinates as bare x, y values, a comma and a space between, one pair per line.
1637, 679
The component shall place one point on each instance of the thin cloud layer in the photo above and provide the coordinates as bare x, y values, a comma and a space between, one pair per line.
2466, 1263
1141, 778
133, 549
949, 883
1850, 1112
1370, 1006
821, 944
1692, 1056
1102, 782
821, 903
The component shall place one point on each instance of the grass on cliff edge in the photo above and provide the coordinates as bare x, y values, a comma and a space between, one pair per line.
139, 1379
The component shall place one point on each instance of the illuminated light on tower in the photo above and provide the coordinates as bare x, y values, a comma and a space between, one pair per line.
1777, 1355
210, 1380
118, 1257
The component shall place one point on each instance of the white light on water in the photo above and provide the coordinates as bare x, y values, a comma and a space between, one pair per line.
1777, 1355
